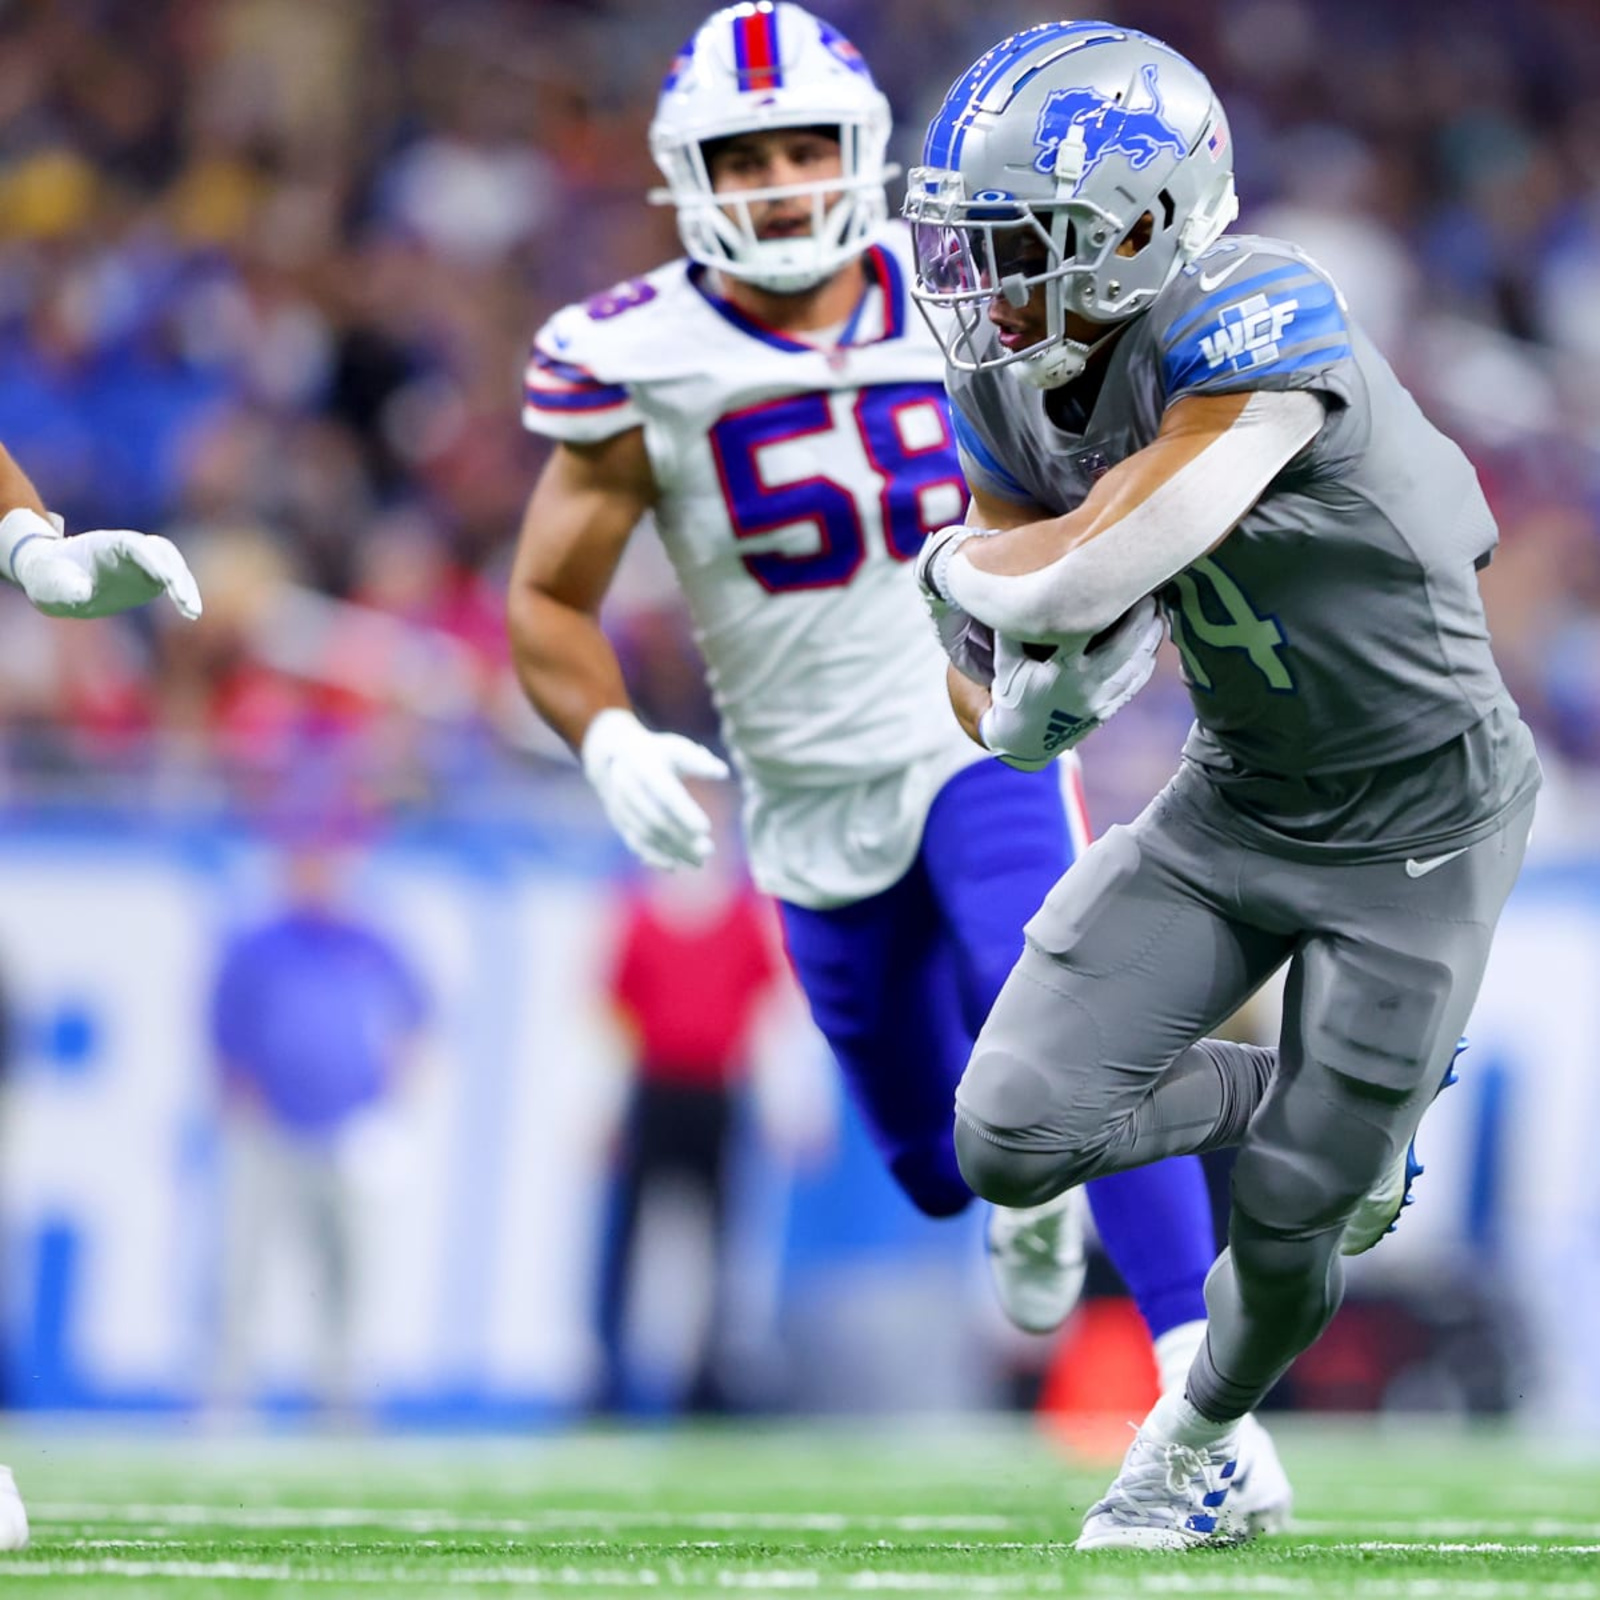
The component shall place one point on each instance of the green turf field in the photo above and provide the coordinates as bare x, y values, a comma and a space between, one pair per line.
840, 1509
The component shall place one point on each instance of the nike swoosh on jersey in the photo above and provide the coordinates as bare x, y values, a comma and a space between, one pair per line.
1213, 280
1421, 869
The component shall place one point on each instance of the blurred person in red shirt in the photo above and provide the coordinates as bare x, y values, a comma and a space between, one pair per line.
694, 966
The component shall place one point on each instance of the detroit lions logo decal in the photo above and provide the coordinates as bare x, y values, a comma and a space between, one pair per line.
1138, 131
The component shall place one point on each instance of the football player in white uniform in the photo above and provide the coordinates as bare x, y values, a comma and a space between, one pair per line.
90, 575
777, 405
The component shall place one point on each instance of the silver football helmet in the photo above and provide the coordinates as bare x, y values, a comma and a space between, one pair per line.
770, 64
1040, 170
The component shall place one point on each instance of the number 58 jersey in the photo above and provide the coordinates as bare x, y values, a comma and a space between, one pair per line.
795, 485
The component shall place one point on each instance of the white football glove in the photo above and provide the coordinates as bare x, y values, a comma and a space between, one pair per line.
968, 642
636, 773
93, 574
1039, 708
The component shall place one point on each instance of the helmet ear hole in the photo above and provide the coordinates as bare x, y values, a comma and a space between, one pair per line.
1137, 239
1169, 209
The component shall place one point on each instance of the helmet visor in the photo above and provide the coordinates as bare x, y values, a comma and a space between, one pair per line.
1009, 254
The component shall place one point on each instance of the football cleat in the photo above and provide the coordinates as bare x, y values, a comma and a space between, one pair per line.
1379, 1213
1260, 1496
1166, 1497
13, 1515
1038, 1261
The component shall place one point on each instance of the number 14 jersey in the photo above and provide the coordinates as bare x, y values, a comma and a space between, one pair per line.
796, 483
1334, 644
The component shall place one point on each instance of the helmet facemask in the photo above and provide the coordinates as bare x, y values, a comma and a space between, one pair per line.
718, 230
1087, 260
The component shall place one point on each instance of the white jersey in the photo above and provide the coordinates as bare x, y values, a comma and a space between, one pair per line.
795, 484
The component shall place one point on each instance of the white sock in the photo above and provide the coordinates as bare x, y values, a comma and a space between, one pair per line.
1174, 1421
1175, 1353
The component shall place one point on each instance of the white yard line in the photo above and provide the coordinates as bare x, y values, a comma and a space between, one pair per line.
1440, 1587
670, 1575
542, 1521
1454, 1527
1483, 1549
563, 1577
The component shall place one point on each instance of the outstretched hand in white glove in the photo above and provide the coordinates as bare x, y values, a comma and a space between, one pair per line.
1038, 708
93, 574
638, 775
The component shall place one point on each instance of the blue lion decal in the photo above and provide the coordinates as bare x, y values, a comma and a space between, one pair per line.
1139, 134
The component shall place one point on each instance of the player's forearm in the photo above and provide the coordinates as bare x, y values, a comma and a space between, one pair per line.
16, 487
1070, 577
22, 515
968, 700
564, 662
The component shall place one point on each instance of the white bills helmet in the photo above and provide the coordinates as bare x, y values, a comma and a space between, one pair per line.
1045, 158
759, 65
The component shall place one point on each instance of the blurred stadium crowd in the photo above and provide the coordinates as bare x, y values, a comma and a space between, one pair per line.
268, 277
268, 270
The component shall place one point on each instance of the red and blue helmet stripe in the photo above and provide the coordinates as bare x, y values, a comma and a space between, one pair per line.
841, 48
755, 48
680, 65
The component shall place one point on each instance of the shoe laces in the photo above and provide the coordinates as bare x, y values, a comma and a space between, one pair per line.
1158, 1474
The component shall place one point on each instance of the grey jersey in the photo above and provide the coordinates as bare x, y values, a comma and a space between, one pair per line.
1336, 637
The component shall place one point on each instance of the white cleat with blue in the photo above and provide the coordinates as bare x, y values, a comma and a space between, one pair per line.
1037, 1259
1260, 1496
13, 1515
1169, 1495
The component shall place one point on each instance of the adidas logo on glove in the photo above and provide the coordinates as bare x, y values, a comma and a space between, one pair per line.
1061, 729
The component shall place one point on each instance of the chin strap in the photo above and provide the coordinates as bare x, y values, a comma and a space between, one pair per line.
1062, 362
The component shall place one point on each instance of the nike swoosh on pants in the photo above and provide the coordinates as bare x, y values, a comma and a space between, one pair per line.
1420, 869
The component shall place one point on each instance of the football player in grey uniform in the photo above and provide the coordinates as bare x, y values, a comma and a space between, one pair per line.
1148, 406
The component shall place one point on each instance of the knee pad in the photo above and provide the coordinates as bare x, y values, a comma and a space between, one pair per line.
1296, 1195
1003, 1092
931, 1180
1003, 1103
1006, 1177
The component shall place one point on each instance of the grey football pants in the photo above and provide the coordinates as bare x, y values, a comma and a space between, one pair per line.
1089, 1063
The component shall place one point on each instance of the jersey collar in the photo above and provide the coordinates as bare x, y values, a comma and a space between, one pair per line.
883, 273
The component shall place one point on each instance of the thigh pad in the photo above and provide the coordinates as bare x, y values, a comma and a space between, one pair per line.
1373, 1016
